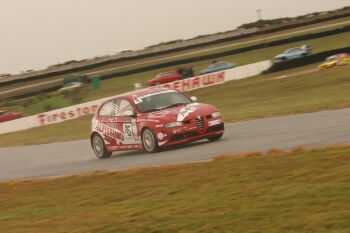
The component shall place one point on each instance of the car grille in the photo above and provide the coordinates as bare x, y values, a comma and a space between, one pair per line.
178, 137
200, 122
215, 128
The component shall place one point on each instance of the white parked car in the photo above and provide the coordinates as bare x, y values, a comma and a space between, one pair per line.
70, 86
293, 53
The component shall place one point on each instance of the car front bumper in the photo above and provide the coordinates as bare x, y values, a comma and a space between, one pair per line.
191, 130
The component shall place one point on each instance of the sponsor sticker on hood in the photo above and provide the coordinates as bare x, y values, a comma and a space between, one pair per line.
185, 111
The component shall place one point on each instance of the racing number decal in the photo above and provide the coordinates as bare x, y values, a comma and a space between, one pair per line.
127, 130
130, 131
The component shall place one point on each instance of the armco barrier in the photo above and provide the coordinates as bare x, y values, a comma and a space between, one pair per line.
307, 60
73, 112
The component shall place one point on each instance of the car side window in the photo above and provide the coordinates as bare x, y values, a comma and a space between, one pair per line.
106, 109
116, 108
121, 107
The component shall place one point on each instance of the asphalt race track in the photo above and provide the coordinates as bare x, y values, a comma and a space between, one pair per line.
310, 130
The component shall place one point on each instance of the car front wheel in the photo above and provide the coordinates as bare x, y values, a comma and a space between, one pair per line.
149, 141
99, 147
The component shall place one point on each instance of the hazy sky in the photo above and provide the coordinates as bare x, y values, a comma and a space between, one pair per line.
39, 33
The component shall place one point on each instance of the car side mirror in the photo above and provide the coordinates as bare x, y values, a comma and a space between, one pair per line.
194, 99
129, 114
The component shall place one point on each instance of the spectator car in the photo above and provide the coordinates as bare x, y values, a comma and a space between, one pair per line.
70, 86
75, 78
7, 115
152, 119
336, 60
293, 53
165, 77
217, 66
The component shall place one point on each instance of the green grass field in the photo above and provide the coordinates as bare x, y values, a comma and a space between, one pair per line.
291, 192
252, 98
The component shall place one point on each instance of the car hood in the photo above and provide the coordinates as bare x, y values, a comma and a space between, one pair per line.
181, 113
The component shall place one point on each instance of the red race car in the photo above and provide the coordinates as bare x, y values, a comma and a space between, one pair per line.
152, 119
6, 115
165, 77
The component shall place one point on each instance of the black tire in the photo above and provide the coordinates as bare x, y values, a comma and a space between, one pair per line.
214, 138
149, 141
99, 147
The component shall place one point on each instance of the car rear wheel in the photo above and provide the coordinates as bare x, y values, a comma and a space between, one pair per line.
149, 141
214, 138
99, 147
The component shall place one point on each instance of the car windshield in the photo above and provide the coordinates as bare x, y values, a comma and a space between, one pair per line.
292, 50
218, 64
332, 58
161, 100
163, 75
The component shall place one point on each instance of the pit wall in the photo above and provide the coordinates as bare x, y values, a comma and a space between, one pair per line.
88, 108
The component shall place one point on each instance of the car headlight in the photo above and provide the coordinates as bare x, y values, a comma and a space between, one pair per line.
173, 124
216, 114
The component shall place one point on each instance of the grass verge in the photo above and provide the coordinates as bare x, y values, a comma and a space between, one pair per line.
296, 191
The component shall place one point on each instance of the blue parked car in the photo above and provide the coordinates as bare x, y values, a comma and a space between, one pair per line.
293, 53
217, 66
